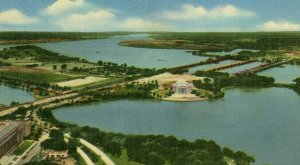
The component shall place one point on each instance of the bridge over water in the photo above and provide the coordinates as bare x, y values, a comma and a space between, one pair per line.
230, 65
261, 67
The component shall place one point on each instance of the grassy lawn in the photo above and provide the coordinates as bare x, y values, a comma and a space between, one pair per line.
23, 147
70, 65
98, 84
123, 159
35, 76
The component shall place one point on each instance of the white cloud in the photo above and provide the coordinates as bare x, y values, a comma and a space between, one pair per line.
15, 17
90, 21
106, 20
279, 26
191, 12
138, 24
60, 6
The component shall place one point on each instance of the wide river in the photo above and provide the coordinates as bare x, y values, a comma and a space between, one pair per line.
110, 50
263, 122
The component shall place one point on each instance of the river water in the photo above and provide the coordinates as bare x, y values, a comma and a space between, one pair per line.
285, 74
232, 52
203, 67
110, 50
9, 94
263, 122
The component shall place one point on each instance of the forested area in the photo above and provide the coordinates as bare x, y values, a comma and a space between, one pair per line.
15, 36
254, 40
36, 53
222, 80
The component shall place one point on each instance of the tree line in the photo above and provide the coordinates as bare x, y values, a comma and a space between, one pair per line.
222, 80
37, 53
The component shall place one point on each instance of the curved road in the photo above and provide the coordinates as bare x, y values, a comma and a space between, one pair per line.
37, 102
102, 155
86, 158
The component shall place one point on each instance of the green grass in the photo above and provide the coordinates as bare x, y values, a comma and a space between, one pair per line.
123, 159
35, 76
97, 84
23, 147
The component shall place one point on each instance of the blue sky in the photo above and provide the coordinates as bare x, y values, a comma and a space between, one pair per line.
149, 15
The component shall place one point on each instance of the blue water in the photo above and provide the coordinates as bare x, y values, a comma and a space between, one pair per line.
110, 50
232, 52
262, 122
202, 67
285, 74
242, 67
9, 94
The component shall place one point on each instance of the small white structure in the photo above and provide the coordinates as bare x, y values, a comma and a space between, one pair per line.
182, 87
55, 154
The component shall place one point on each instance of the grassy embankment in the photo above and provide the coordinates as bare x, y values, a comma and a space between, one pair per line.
19, 73
122, 159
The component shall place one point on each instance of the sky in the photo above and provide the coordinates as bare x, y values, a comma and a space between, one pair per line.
150, 15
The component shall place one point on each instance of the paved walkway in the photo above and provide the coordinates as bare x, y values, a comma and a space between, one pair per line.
102, 155
86, 158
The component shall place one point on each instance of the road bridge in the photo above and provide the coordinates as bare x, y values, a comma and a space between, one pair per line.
261, 68
212, 61
229, 65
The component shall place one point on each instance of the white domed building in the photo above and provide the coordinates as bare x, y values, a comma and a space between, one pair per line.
182, 87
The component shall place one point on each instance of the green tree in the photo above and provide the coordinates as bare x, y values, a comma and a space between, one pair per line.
100, 62
113, 148
154, 159
56, 134
63, 66
55, 144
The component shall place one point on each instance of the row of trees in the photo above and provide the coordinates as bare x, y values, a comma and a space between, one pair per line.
31, 85
132, 90
157, 149
221, 80
108, 68
37, 53
221, 41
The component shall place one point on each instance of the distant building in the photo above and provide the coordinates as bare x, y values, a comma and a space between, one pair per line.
182, 87
12, 134
27, 127
52, 154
